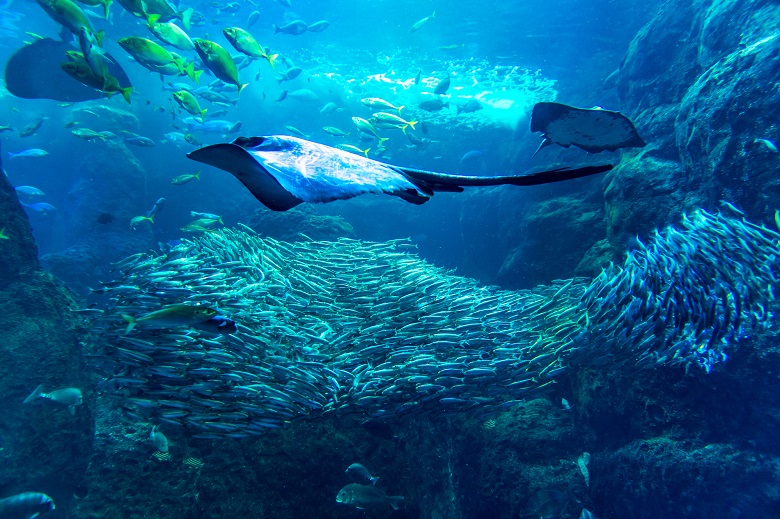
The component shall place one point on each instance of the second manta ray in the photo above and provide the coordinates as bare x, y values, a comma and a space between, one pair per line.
283, 172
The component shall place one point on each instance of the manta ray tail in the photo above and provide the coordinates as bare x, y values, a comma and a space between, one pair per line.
443, 182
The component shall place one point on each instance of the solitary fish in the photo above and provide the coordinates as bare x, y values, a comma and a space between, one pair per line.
295, 28
418, 24
29, 190
183, 179
170, 33
283, 171
69, 397
590, 129
158, 439
33, 152
171, 316
134, 221
27, 505
364, 496
319, 26
359, 470
218, 60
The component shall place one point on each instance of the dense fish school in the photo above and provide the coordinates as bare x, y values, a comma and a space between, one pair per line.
358, 326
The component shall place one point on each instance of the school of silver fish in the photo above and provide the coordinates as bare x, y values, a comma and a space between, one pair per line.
353, 326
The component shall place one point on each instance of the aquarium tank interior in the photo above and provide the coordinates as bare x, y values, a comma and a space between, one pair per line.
430, 259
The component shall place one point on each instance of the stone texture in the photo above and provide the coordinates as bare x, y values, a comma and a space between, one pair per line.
42, 447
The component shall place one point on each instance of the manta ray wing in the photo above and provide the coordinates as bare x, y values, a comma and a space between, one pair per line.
591, 129
238, 161
288, 169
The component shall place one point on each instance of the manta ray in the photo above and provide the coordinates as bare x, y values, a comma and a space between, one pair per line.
282, 172
33, 72
591, 129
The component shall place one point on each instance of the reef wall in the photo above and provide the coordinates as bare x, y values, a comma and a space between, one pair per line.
42, 447
698, 82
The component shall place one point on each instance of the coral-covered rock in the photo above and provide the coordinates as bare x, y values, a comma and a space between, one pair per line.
299, 223
42, 447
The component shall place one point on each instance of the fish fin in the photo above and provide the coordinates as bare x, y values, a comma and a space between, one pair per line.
130, 323
126, 93
72, 410
276, 28
186, 16
272, 60
203, 114
35, 394
395, 501
99, 37
365, 152
374, 480
241, 88
434, 17
180, 64
197, 74
399, 109
106, 5
404, 127
412, 123
197, 175
152, 19
545, 142
382, 140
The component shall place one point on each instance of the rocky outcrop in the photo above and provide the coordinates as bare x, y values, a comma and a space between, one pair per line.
300, 223
536, 234
105, 182
698, 81
42, 447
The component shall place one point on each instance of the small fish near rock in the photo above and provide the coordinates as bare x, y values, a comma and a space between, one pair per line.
26, 505
366, 496
360, 471
69, 397
159, 440
590, 129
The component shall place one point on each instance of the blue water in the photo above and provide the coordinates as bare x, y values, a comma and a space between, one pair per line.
508, 56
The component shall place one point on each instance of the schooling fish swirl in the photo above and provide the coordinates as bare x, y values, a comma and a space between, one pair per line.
349, 325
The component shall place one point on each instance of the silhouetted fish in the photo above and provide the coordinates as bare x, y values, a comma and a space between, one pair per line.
34, 72
590, 129
105, 218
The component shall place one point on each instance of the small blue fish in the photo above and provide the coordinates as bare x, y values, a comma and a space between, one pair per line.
359, 470
40, 207
138, 140
69, 397
156, 208
218, 324
32, 152
158, 439
27, 505
29, 190
471, 156
766, 142
214, 126
209, 216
